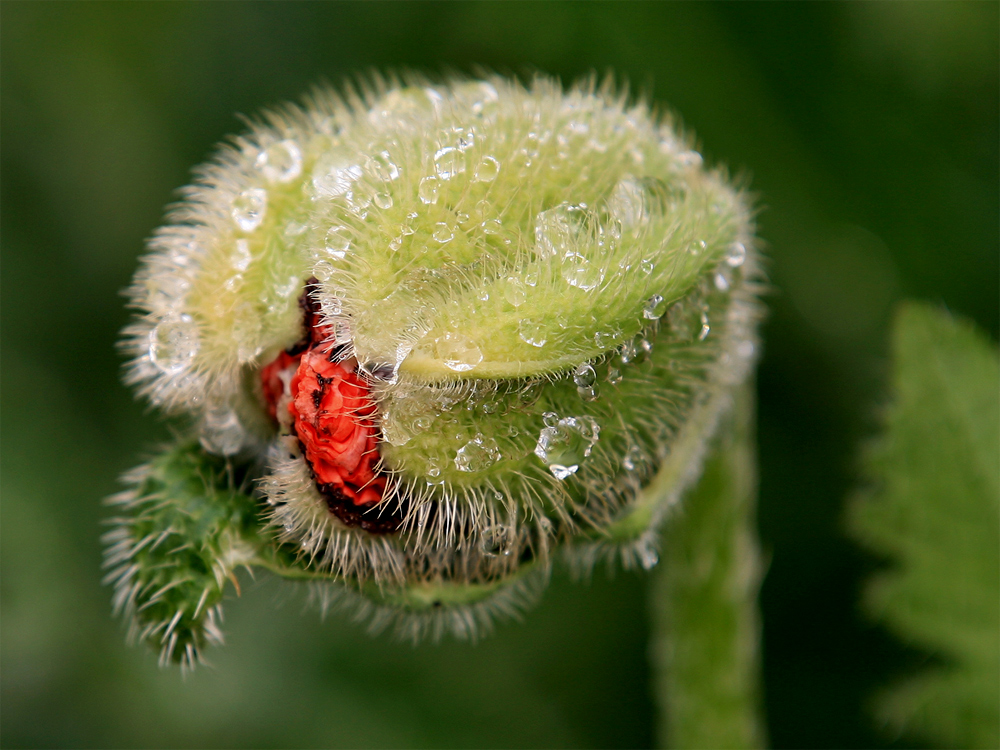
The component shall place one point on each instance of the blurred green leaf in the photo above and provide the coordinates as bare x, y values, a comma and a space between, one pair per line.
936, 513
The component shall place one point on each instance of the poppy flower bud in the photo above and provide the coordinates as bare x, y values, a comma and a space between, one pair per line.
452, 330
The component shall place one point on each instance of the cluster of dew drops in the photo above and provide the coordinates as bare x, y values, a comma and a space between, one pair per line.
564, 442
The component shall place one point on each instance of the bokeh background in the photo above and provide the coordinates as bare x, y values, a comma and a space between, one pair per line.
869, 134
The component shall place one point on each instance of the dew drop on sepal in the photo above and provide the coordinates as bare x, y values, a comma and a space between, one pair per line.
487, 170
458, 352
248, 208
564, 445
648, 557
337, 242
532, 332
478, 454
449, 162
558, 230
581, 272
654, 308
443, 233
629, 203
281, 161
705, 327
427, 190
241, 257
221, 432
173, 342
384, 168
607, 339
334, 176
584, 376
737, 254
514, 291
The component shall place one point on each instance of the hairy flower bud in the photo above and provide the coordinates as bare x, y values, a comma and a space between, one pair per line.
460, 326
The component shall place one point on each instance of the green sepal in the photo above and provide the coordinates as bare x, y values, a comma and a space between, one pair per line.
187, 524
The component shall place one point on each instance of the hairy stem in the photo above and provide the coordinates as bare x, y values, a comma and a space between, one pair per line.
706, 628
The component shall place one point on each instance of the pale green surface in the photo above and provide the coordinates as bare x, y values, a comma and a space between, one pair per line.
935, 514
706, 628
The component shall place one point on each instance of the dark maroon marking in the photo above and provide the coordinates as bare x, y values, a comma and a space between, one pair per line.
374, 519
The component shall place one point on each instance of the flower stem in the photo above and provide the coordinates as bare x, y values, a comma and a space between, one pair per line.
706, 628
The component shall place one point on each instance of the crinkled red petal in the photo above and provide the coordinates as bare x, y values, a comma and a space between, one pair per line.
333, 419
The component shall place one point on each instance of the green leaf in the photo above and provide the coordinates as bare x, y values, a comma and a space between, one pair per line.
935, 512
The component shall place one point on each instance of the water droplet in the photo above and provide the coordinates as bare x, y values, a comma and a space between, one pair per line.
614, 375
478, 454
393, 430
448, 162
581, 273
484, 95
280, 162
458, 352
632, 458
689, 159
563, 446
607, 339
334, 176
494, 540
705, 328
291, 288
648, 557
384, 168
588, 393
698, 247
655, 307
487, 170
721, 282
338, 242
532, 333
644, 348
173, 343
684, 321
628, 203
241, 256
221, 432
248, 208
165, 291
530, 392
558, 230
443, 233
514, 291
383, 200
428, 190
293, 229
626, 353
585, 375
647, 266
433, 473
404, 107
492, 226
737, 254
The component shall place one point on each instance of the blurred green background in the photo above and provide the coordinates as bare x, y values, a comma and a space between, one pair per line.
869, 134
